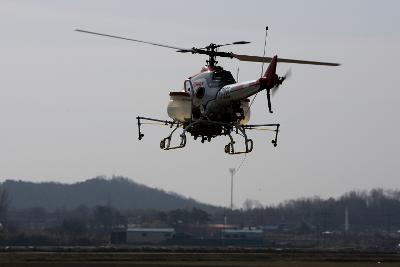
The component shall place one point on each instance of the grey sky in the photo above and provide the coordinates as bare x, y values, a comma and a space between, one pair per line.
68, 101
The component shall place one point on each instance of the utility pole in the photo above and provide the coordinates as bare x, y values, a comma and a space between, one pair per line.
346, 220
232, 171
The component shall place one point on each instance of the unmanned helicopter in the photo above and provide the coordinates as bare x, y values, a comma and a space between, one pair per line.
212, 103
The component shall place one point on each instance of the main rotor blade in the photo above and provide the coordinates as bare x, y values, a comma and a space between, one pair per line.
235, 43
221, 45
284, 60
135, 40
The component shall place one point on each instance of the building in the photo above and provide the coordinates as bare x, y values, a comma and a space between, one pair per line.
243, 233
246, 237
149, 235
118, 236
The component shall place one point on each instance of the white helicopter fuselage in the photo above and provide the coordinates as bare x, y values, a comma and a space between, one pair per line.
233, 92
212, 103
214, 94
219, 88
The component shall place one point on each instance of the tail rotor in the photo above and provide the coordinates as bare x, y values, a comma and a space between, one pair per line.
281, 79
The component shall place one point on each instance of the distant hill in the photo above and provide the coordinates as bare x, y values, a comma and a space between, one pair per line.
119, 192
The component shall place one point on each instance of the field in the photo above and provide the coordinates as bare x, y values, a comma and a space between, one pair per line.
174, 257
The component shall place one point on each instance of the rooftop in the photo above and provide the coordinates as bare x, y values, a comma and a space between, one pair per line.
162, 230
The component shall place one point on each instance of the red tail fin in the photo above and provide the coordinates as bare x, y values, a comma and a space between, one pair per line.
270, 79
271, 70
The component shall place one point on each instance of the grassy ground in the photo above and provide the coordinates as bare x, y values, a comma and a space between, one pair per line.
200, 259
206, 264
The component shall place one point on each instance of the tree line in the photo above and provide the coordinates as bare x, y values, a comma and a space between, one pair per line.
374, 210
368, 212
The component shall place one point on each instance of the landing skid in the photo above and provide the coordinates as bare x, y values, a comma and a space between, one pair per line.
241, 130
165, 143
248, 143
228, 129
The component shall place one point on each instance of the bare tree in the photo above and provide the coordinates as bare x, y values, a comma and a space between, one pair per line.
248, 204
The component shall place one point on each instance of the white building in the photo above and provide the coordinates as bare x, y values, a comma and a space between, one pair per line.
149, 235
243, 233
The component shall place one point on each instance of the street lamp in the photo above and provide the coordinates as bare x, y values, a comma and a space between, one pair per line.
232, 171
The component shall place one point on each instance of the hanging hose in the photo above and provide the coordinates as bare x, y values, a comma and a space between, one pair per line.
262, 68
241, 163
251, 103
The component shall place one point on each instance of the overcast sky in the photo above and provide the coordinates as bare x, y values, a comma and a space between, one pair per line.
68, 101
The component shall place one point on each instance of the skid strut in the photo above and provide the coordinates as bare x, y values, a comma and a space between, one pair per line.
228, 129
248, 143
165, 143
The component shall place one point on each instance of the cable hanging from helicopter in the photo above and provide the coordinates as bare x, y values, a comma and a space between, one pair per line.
212, 103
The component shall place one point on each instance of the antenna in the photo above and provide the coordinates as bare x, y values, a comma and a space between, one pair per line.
262, 66
265, 44
262, 70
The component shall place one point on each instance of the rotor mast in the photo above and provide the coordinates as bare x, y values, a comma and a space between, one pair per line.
212, 52
212, 49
